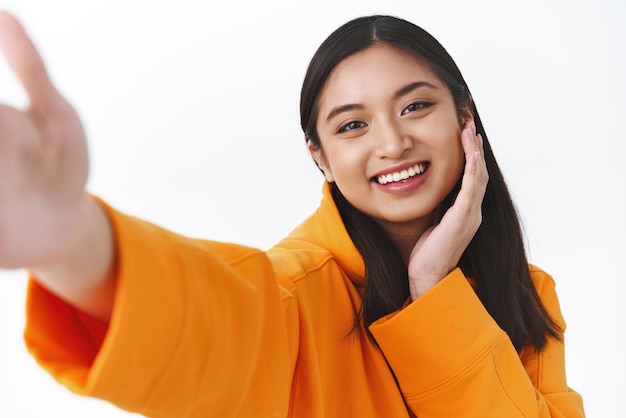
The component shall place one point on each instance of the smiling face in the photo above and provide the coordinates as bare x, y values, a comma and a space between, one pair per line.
390, 138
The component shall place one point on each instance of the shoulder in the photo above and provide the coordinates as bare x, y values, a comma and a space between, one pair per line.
544, 283
546, 289
292, 262
232, 254
296, 261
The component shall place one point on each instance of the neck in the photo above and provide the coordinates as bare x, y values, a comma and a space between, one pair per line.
406, 234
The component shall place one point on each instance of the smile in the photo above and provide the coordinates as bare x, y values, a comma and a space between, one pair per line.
402, 175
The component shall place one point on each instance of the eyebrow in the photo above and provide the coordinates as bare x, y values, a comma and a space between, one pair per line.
343, 108
398, 93
410, 87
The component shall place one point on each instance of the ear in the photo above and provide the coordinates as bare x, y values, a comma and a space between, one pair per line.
465, 116
320, 160
465, 113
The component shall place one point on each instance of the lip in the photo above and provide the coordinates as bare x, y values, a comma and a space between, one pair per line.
405, 186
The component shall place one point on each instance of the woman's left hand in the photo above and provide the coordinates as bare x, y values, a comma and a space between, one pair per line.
441, 246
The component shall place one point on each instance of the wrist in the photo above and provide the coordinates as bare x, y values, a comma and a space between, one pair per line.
82, 271
420, 283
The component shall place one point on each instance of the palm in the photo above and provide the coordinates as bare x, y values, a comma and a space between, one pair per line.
43, 160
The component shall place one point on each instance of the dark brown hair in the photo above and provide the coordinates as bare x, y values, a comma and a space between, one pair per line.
495, 258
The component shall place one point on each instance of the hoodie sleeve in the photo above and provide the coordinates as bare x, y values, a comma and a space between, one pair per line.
452, 359
198, 328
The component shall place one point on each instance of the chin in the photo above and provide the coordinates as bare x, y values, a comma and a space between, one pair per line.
408, 218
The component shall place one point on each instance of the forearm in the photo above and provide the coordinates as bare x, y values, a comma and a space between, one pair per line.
445, 343
190, 315
82, 274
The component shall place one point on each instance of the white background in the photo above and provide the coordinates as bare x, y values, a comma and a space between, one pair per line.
192, 114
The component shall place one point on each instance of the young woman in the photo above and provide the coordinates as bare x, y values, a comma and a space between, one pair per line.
407, 293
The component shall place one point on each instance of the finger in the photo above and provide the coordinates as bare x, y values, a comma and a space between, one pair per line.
478, 138
26, 63
469, 141
472, 143
475, 176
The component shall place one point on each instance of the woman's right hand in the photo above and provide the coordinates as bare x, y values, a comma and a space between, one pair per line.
48, 223
441, 246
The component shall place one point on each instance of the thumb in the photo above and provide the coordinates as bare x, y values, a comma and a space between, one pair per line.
26, 63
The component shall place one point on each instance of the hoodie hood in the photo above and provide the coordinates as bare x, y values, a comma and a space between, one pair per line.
325, 229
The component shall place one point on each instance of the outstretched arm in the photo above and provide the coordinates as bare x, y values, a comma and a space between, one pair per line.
48, 223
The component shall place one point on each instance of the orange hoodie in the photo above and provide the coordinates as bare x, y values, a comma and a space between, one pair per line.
208, 329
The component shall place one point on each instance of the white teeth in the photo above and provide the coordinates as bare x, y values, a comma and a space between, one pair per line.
417, 169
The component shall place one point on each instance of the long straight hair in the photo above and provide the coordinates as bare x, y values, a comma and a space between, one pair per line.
495, 258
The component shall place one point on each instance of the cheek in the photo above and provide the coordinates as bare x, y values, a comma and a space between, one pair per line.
459, 153
451, 150
341, 165
346, 159
458, 159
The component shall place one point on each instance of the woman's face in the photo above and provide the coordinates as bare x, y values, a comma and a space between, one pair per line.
390, 136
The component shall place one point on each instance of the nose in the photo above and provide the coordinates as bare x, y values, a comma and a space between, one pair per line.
391, 141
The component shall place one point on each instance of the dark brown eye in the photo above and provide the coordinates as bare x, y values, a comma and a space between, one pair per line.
414, 107
351, 126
